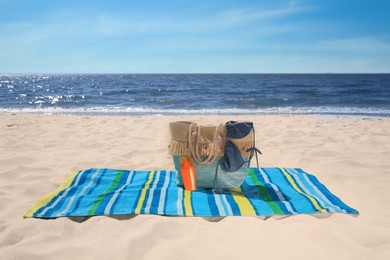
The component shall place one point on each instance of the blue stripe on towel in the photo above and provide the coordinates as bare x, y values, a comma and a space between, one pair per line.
277, 179
338, 203
274, 191
306, 188
60, 200
301, 202
110, 209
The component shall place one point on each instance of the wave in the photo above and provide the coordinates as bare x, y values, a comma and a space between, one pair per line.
111, 110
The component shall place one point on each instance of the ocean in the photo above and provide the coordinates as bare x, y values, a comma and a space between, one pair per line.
144, 94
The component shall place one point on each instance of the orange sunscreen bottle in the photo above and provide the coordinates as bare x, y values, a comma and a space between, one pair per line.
188, 173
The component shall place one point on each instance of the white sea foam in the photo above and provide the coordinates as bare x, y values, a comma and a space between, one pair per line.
230, 111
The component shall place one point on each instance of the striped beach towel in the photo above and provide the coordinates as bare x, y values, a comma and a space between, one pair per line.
265, 192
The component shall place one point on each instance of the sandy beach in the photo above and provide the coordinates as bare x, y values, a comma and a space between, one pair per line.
350, 155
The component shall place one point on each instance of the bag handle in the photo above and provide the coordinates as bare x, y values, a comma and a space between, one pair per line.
195, 150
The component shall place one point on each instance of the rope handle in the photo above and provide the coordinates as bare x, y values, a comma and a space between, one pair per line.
195, 150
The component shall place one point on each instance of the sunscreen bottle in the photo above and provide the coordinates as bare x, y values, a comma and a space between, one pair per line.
188, 173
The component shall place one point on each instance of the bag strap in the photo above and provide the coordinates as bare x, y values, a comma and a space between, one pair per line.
195, 148
253, 150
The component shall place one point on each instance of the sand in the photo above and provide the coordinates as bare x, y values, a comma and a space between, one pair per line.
350, 155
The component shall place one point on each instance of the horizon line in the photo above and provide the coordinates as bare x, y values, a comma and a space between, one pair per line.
192, 73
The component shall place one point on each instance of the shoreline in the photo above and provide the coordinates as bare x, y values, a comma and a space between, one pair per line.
347, 154
173, 114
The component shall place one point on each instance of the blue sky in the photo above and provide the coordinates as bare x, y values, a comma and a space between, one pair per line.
183, 36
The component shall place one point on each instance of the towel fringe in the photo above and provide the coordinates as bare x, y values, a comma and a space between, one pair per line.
182, 148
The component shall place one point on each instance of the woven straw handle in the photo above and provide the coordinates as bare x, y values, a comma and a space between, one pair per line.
194, 137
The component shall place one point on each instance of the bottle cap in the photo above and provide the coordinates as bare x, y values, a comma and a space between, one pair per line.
185, 162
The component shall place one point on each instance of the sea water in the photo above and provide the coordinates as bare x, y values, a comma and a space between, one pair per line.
138, 94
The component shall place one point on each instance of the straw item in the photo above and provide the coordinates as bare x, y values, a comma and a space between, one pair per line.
205, 140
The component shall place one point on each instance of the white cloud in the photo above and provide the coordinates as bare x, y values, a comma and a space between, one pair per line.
288, 64
232, 18
65, 31
365, 45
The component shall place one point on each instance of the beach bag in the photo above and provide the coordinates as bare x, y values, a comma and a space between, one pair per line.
221, 154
